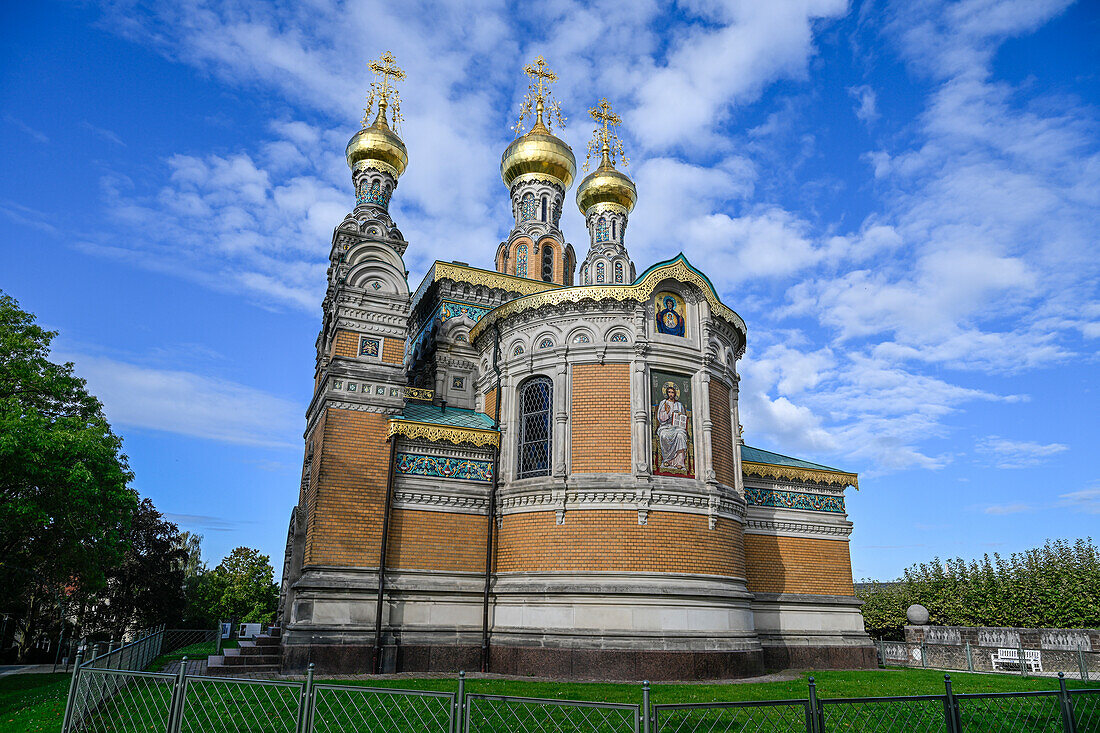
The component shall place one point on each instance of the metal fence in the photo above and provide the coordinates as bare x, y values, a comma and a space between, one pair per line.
106, 700
1080, 663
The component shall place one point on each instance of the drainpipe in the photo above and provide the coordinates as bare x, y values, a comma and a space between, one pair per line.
492, 507
376, 663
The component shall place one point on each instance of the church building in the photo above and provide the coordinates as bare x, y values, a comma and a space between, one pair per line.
536, 468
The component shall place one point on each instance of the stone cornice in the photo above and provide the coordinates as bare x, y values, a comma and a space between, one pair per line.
451, 434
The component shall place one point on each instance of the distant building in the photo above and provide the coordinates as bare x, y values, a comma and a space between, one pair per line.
582, 426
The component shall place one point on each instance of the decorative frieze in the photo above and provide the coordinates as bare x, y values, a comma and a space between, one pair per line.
999, 638
794, 500
767, 526
442, 467
1065, 640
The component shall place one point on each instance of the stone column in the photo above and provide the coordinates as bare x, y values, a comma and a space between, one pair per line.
560, 425
506, 396
738, 441
639, 407
704, 468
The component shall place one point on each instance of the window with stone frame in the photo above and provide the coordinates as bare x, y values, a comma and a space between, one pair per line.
601, 230
547, 263
521, 260
535, 445
618, 272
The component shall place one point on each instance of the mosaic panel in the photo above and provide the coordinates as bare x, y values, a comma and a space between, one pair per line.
458, 382
546, 344
601, 230
599, 272
618, 338
442, 467
618, 272
521, 260
371, 347
794, 500
673, 434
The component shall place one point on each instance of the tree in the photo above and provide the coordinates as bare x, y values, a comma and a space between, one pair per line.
65, 503
1053, 586
245, 582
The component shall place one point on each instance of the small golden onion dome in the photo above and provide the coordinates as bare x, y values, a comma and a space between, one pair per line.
605, 185
538, 153
378, 146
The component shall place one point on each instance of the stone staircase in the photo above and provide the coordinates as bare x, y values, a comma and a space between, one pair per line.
263, 655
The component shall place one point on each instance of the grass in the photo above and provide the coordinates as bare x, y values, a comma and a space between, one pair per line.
35, 703
198, 651
32, 702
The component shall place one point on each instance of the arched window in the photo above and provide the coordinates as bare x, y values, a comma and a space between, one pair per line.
599, 272
521, 260
544, 209
527, 207
547, 262
612, 228
535, 400
601, 229
584, 274
618, 272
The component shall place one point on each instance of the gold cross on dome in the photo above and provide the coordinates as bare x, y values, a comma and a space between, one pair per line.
605, 142
540, 71
386, 68
538, 98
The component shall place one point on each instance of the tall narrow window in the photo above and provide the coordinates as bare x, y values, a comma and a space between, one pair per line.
544, 209
613, 229
535, 400
521, 260
547, 262
601, 229
599, 272
527, 207
618, 272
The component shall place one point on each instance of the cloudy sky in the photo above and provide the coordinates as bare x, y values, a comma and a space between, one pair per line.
901, 199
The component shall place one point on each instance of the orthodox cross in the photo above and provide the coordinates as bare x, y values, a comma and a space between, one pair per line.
605, 140
538, 92
386, 68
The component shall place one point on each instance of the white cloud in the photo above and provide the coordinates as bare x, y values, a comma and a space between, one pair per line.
1003, 509
866, 108
1018, 453
1086, 500
189, 404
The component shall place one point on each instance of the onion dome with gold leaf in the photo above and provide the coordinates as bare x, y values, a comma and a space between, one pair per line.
606, 185
538, 153
377, 145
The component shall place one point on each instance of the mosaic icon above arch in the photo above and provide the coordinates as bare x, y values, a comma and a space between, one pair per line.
669, 311
673, 435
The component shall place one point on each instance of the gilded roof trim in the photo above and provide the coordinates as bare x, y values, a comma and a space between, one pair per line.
641, 290
435, 433
477, 276
768, 470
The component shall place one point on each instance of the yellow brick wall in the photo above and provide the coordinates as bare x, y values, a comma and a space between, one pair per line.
491, 403
559, 270
436, 541
393, 351
600, 418
351, 471
721, 433
612, 540
346, 344
513, 259
798, 565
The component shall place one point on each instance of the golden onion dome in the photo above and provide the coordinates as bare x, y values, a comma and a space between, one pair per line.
605, 185
378, 146
538, 153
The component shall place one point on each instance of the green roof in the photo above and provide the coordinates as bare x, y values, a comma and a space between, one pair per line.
455, 417
758, 455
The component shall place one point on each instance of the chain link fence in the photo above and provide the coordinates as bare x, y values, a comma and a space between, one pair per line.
106, 700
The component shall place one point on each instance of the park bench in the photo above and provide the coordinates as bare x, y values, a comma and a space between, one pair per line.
1010, 659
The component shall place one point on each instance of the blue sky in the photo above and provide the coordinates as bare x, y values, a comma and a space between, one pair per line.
901, 199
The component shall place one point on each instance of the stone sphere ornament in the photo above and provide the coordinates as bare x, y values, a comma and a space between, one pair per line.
917, 615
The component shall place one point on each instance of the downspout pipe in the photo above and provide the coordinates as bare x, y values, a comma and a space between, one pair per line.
492, 508
376, 663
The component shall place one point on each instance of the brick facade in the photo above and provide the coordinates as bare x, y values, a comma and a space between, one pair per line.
436, 541
348, 489
798, 565
721, 432
491, 403
600, 418
393, 351
612, 540
346, 345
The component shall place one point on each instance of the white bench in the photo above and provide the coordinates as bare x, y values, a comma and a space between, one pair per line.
1010, 658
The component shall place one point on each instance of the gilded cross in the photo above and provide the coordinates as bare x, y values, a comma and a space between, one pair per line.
541, 72
538, 98
386, 68
605, 142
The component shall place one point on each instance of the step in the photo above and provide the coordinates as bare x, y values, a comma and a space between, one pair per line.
266, 641
275, 632
251, 659
217, 670
250, 651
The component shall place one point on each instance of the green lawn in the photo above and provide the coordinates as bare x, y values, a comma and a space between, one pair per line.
34, 703
193, 652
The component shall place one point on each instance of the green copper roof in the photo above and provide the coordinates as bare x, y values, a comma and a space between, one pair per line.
455, 417
758, 455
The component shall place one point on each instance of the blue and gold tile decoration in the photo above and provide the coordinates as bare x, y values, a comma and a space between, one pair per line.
441, 467
370, 347
794, 500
